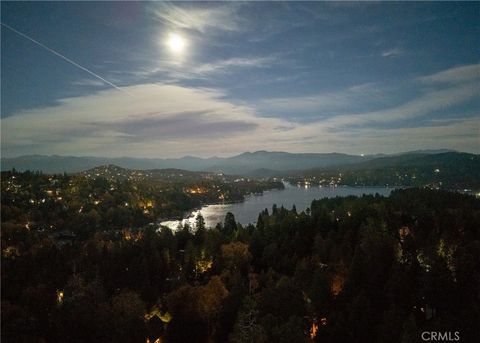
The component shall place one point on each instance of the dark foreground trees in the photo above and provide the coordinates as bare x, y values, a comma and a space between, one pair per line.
369, 269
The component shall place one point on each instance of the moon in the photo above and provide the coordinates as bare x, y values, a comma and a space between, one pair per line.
176, 43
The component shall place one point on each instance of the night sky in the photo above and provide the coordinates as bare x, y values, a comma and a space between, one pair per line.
150, 79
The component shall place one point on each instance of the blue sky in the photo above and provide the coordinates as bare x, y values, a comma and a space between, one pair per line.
299, 77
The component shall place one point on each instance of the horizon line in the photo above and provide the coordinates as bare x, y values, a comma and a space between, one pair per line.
440, 150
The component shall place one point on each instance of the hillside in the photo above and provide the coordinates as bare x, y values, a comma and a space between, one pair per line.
451, 170
114, 172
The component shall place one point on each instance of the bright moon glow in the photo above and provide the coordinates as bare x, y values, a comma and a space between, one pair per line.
176, 43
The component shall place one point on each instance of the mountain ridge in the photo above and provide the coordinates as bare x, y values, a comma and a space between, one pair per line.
244, 163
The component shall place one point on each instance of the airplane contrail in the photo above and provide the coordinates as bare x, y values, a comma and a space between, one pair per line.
65, 58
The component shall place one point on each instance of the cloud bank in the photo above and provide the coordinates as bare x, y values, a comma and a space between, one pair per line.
161, 120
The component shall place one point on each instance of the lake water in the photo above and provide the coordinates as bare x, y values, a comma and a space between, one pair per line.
247, 211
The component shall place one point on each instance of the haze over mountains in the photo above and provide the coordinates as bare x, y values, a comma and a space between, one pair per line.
259, 163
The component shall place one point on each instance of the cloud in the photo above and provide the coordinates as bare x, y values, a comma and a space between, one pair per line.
353, 106
236, 62
201, 19
160, 120
461, 74
461, 135
194, 124
327, 104
88, 83
173, 71
458, 86
393, 52
427, 103
163, 120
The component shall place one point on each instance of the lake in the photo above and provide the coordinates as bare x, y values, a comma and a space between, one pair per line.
247, 211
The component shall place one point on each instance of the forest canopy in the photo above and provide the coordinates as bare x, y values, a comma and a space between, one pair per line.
365, 269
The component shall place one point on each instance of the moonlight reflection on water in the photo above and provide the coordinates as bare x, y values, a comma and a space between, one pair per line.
246, 212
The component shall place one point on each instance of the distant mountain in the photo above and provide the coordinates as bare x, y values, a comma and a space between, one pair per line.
426, 151
240, 164
451, 160
280, 161
259, 163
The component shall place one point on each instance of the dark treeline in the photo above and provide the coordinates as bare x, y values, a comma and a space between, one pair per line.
368, 269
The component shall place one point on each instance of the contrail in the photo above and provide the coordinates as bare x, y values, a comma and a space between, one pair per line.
64, 58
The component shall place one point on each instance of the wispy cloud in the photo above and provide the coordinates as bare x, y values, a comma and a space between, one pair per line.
181, 16
236, 62
394, 52
446, 89
326, 104
461, 74
426, 103
88, 83
189, 70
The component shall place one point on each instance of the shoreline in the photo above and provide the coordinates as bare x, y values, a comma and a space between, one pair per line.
189, 214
